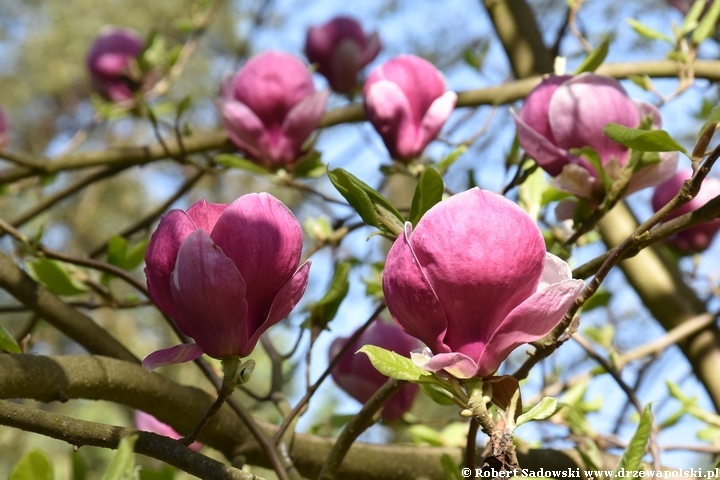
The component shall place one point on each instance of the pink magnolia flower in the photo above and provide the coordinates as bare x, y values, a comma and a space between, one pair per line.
698, 237
341, 49
271, 107
225, 274
4, 128
148, 423
109, 62
406, 101
356, 375
566, 112
473, 282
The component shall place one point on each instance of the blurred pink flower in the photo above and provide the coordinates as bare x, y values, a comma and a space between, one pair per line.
357, 376
271, 107
406, 101
225, 274
698, 237
109, 61
566, 112
341, 49
4, 128
473, 282
148, 423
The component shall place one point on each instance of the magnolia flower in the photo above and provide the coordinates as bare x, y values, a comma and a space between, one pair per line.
271, 107
473, 282
4, 128
148, 423
109, 61
225, 274
406, 101
341, 49
566, 112
698, 237
356, 375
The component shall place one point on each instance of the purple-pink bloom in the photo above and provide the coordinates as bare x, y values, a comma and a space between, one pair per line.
148, 423
698, 237
109, 61
271, 107
4, 128
357, 376
564, 113
341, 49
406, 101
225, 274
473, 282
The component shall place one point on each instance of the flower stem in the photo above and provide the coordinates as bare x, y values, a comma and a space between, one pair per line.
234, 374
480, 394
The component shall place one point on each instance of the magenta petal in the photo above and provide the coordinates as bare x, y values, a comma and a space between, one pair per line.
242, 125
389, 111
435, 118
409, 293
582, 107
550, 158
263, 238
456, 364
645, 109
531, 320
170, 356
654, 174
535, 109
371, 49
162, 251
205, 214
282, 305
209, 291
303, 118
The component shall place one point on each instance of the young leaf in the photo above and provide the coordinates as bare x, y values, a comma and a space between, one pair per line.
34, 465
643, 140
233, 161
648, 32
324, 310
692, 17
531, 193
55, 276
707, 25
135, 255
428, 192
396, 366
167, 473
595, 58
122, 466
311, 166
545, 409
631, 460
117, 247
7, 341
599, 299
437, 394
451, 158
451, 471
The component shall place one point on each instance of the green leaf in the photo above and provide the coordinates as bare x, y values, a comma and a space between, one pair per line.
712, 120
311, 166
117, 246
692, 17
167, 473
648, 32
78, 466
547, 407
643, 140
451, 471
135, 255
233, 161
372, 207
552, 194
182, 107
450, 158
631, 460
531, 193
437, 394
324, 310
602, 336
642, 81
708, 24
7, 341
595, 58
55, 276
422, 434
122, 466
396, 366
591, 455
599, 299
428, 193
34, 465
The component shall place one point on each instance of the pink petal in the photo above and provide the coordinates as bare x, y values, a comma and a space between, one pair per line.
344, 65
456, 364
371, 49
175, 226
654, 174
264, 240
242, 125
285, 301
148, 423
302, 119
462, 246
550, 158
645, 109
435, 118
111, 64
410, 297
576, 180
170, 356
582, 107
389, 111
536, 109
210, 294
204, 214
